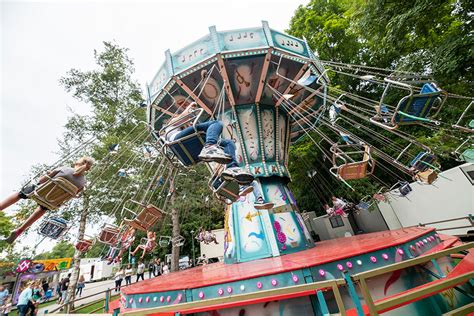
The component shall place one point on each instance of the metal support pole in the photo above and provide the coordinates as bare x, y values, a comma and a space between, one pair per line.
353, 294
107, 301
192, 246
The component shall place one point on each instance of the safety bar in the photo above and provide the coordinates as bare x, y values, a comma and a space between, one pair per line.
386, 304
470, 218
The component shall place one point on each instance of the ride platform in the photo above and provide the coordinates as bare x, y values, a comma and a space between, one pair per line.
329, 260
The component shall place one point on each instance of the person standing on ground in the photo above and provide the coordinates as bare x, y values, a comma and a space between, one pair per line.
6, 308
157, 270
151, 269
64, 286
118, 279
140, 270
3, 294
81, 283
128, 275
25, 296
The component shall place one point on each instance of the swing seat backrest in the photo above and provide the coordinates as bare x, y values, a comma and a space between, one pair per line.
188, 148
422, 161
468, 155
146, 219
418, 105
358, 169
53, 227
109, 235
84, 245
427, 177
224, 190
54, 192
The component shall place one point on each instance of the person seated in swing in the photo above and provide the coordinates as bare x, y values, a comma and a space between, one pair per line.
339, 206
259, 203
74, 175
124, 243
206, 237
148, 246
220, 151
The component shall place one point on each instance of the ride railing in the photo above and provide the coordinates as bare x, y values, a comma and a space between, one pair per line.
415, 294
253, 298
442, 283
469, 218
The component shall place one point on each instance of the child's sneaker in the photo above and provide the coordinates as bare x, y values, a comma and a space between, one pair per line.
214, 153
260, 204
237, 174
245, 189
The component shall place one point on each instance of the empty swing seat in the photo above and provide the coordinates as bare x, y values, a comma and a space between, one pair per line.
427, 177
85, 244
423, 161
417, 105
146, 219
352, 170
109, 234
53, 193
53, 227
468, 155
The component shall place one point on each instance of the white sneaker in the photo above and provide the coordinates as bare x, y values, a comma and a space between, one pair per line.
214, 153
245, 189
237, 174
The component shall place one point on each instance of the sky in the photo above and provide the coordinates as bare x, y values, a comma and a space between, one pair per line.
41, 41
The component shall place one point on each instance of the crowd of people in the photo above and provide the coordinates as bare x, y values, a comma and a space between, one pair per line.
155, 268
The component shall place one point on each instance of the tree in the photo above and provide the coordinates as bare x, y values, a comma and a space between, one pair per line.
62, 249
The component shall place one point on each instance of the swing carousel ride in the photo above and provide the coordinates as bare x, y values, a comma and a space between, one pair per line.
270, 90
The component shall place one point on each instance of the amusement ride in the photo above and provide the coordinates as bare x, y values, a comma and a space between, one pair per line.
269, 90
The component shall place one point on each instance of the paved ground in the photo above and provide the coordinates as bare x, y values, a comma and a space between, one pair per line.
92, 288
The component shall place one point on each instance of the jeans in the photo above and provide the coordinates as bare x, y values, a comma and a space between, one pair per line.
256, 190
213, 130
128, 280
140, 275
118, 284
22, 309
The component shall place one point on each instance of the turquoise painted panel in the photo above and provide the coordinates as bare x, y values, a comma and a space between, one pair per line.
289, 43
161, 77
249, 285
193, 53
249, 232
267, 117
149, 300
230, 132
288, 232
250, 132
242, 39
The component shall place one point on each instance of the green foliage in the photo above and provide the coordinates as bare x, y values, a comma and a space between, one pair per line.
62, 249
432, 38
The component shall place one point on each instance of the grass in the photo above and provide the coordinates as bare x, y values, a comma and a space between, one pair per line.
90, 308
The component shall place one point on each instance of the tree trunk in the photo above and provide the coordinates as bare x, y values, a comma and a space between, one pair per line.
175, 223
71, 291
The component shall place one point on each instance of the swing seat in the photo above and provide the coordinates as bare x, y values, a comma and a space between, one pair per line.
53, 227
401, 188
185, 149
422, 161
411, 109
426, 177
85, 244
53, 193
223, 190
468, 155
144, 243
352, 170
164, 241
146, 219
417, 105
109, 235
178, 241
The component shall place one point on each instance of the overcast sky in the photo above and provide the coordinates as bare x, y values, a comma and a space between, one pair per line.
41, 41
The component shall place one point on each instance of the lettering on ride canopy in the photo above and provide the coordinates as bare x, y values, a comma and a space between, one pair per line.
274, 168
257, 170
188, 57
240, 36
